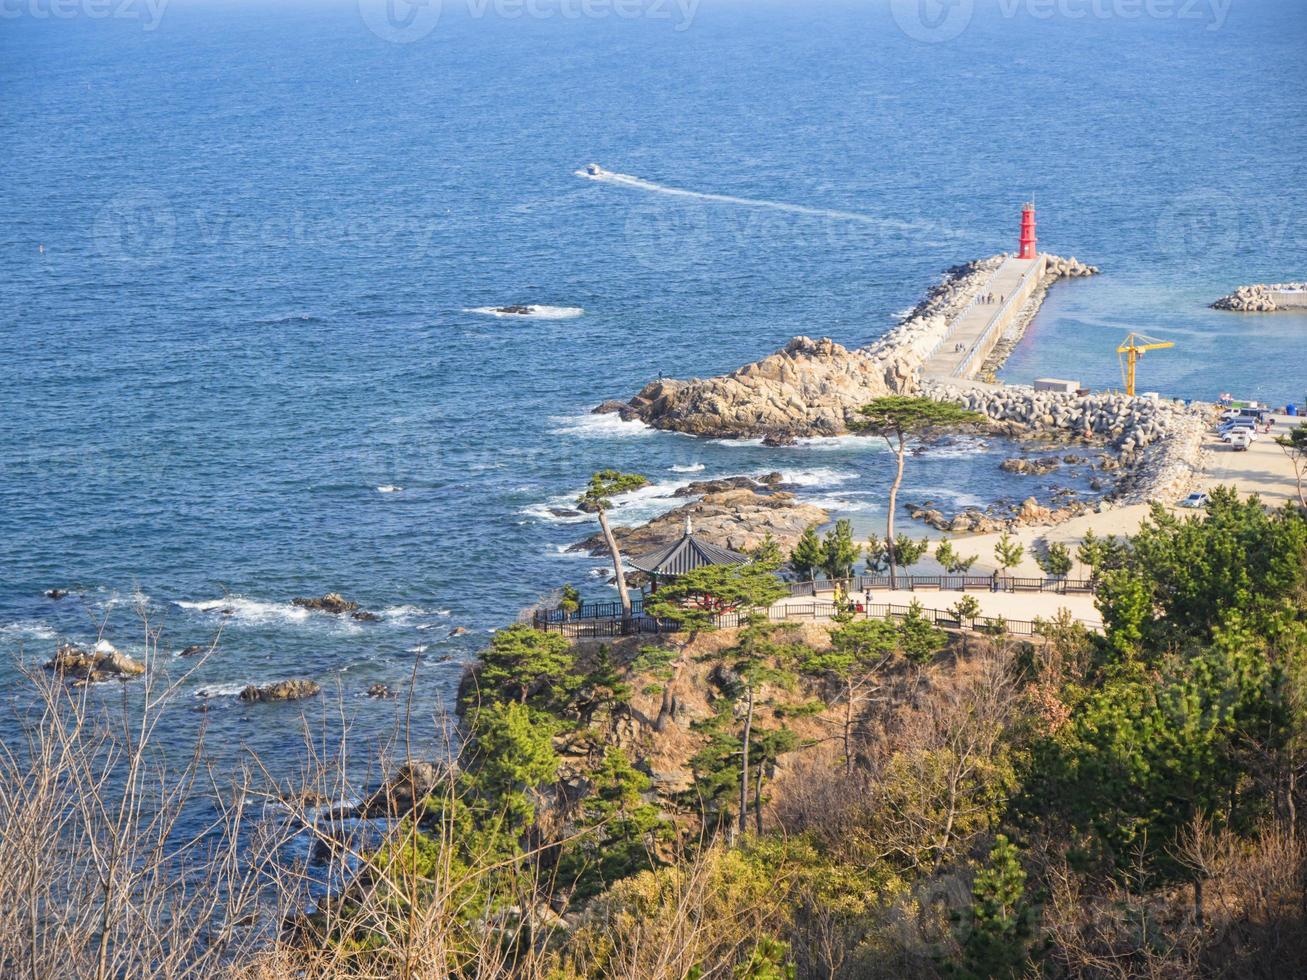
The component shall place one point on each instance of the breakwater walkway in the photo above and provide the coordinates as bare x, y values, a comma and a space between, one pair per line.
974, 331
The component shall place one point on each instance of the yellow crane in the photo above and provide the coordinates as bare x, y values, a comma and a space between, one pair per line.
1131, 349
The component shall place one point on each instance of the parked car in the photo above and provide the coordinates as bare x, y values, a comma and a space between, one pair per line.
1240, 441
1194, 500
1246, 435
1234, 424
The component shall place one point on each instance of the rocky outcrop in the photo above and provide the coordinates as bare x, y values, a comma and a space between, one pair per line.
332, 602
738, 519
1030, 467
380, 691
101, 662
293, 689
809, 387
1172, 433
1257, 298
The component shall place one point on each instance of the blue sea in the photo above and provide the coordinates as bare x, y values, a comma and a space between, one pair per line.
248, 247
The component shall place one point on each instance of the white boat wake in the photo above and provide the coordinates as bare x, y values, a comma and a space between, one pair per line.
596, 173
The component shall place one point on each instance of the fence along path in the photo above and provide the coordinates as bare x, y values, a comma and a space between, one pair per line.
855, 586
814, 612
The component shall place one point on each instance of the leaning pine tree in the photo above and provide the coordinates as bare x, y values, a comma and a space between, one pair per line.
896, 417
598, 496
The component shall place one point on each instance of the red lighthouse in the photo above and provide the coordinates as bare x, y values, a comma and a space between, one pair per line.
1028, 232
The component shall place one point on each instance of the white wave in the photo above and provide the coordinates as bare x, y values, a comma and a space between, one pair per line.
692, 468
958, 448
958, 497
830, 443
738, 443
389, 488
605, 426
250, 611
534, 312
838, 504
221, 690
818, 476
638, 183
28, 630
405, 615
420, 648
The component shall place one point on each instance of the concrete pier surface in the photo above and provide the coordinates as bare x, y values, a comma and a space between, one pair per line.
978, 328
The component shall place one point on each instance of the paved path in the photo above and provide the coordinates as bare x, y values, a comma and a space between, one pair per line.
1010, 605
973, 323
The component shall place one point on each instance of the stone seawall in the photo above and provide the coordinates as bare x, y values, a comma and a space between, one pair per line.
1160, 442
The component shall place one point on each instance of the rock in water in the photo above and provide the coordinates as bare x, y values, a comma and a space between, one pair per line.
293, 689
332, 602
55, 593
101, 663
380, 691
363, 616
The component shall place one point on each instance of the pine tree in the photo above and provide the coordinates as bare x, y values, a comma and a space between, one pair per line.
1000, 931
839, 553
918, 637
807, 555
527, 664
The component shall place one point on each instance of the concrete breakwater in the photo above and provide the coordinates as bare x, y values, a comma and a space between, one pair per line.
814, 387
1159, 442
1265, 298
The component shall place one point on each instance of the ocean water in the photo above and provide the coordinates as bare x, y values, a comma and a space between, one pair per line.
253, 358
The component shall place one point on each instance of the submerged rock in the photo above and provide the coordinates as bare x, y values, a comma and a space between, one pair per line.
363, 616
292, 689
55, 593
380, 691
195, 649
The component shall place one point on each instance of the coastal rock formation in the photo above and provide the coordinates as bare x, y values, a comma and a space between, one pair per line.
738, 519
1257, 298
380, 691
809, 387
1170, 431
1031, 467
293, 689
99, 663
332, 602
1072, 268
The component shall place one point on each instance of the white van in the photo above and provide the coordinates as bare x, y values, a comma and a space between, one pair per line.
1239, 441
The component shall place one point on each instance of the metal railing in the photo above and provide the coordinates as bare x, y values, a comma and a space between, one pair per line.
814, 612
982, 342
